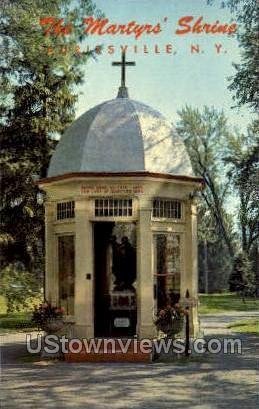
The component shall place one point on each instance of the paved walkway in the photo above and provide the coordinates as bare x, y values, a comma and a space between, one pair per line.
206, 382
218, 323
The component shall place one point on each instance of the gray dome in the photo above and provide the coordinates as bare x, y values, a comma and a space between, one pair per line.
120, 135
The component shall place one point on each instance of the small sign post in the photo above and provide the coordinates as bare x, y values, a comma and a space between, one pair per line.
187, 328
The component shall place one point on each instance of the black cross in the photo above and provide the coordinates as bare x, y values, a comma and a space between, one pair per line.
123, 63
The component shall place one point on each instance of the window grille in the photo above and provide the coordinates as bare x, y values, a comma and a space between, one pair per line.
65, 210
113, 207
166, 208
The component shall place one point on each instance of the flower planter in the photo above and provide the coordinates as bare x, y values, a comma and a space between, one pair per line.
171, 329
170, 320
53, 325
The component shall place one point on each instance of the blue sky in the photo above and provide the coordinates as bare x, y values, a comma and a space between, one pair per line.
165, 81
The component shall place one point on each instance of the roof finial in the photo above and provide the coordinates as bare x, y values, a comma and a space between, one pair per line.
123, 91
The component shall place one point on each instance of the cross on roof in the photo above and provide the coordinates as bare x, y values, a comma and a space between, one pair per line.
123, 63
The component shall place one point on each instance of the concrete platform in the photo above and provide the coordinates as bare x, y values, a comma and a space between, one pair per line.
110, 350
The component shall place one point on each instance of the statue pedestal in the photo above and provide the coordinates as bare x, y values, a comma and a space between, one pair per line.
123, 313
122, 300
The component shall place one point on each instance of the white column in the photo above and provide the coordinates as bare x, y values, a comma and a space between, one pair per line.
194, 249
145, 326
51, 281
191, 262
84, 274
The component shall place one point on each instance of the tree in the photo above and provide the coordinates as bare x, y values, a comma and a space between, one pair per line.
242, 279
214, 261
38, 80
242, 163
244, 83
243, 173
204, 134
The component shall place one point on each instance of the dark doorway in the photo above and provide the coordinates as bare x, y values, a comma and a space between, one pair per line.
115, 304
102, 235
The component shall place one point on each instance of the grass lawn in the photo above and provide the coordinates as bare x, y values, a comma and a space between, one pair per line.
246, 326
213, 303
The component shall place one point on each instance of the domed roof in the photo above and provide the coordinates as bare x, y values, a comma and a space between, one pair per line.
120, 135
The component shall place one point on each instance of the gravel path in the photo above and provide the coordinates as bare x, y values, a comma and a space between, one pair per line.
206, 382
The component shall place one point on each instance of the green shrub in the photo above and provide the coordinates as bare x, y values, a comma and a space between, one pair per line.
20, 289
16, 321
3, 305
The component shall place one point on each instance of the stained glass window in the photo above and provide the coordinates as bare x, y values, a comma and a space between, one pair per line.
66, 272
167, 268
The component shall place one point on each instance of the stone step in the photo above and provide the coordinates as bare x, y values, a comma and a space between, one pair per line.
110, 353
107, 357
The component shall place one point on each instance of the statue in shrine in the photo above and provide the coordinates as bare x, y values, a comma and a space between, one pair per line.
128, 263
123, 264
115, 259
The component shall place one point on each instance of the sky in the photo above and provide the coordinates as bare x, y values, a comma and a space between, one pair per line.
167, 82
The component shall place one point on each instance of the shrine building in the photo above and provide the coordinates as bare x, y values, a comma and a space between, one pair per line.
120, 216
